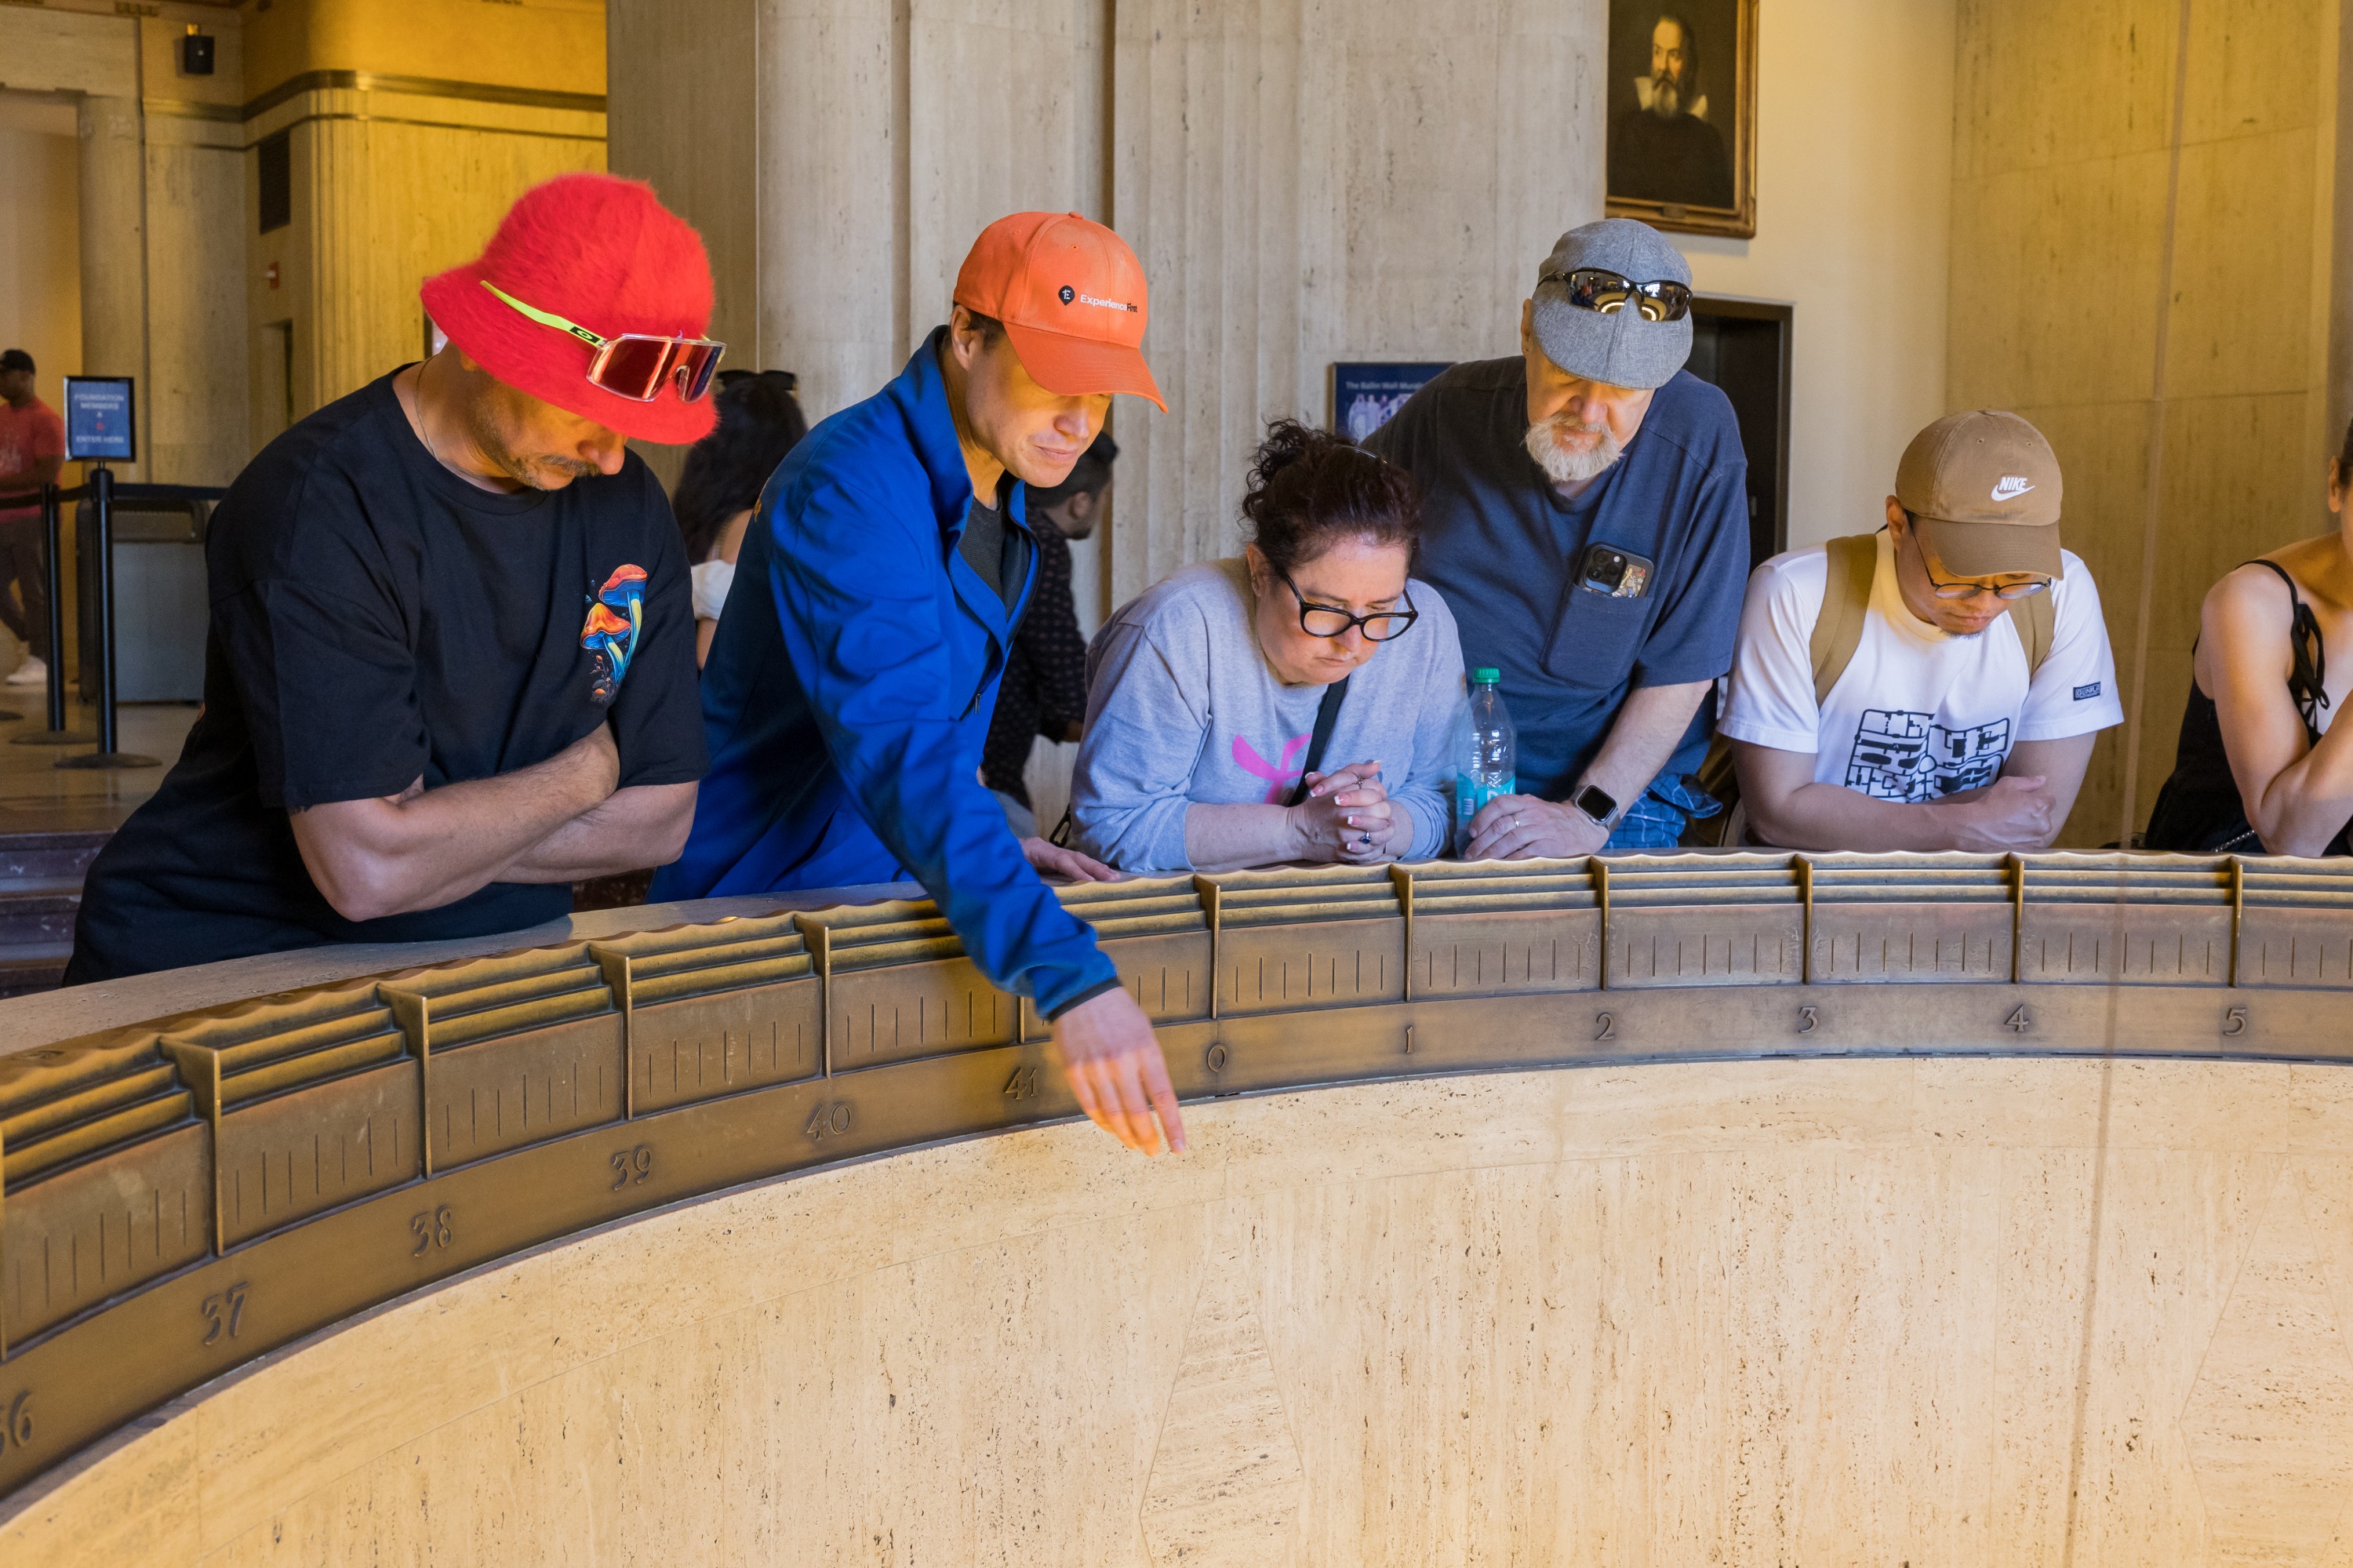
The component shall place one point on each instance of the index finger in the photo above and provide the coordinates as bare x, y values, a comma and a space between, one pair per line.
1164, 1098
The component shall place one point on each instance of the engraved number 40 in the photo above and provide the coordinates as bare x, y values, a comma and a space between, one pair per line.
828, 1119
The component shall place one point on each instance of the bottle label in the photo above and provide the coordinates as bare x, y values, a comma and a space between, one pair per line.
1471, 794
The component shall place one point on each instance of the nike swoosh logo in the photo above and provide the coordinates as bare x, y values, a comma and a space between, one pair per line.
2010, 490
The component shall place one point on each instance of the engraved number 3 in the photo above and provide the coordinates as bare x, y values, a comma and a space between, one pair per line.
1807, 1021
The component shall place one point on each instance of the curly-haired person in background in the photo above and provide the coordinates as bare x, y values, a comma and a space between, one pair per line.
760, 420
1215, 696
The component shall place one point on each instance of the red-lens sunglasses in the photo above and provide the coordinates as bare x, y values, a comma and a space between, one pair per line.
636, 366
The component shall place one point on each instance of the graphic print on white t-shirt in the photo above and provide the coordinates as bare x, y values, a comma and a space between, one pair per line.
1908, 757
1919, 712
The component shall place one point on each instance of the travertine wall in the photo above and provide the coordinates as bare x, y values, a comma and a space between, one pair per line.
2144, 240
1961, 1311
1306, 181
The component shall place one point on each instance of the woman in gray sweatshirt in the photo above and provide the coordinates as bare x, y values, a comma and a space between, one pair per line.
1202, 693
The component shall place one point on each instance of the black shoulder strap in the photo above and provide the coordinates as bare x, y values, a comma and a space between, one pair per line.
1327, 713
2308, 656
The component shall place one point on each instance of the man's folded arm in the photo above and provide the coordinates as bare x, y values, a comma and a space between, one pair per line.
425, 848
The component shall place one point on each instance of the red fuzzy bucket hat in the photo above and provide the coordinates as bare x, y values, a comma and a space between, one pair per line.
599, 251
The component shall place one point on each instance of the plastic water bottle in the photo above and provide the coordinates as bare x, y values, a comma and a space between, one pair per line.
1488, 762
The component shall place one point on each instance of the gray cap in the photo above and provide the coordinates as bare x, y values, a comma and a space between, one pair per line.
1620, 349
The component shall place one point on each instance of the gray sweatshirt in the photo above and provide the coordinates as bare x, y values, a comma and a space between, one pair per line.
1181, 706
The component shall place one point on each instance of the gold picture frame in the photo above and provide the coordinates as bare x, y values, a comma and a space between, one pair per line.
1668, 162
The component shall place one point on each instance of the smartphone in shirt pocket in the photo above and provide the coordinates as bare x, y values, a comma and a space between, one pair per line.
1603, 615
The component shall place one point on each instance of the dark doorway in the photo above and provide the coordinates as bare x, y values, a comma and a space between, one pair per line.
1743, 347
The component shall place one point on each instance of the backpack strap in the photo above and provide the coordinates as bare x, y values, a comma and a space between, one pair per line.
1327, 713
1846, 600
2036, 619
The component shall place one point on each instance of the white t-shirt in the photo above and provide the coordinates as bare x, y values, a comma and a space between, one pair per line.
712, 580
1919, 712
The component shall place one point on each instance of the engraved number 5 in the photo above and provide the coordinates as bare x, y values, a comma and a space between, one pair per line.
2235, 1021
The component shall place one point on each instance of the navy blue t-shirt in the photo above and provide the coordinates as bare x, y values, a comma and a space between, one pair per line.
1504, 548
377, 621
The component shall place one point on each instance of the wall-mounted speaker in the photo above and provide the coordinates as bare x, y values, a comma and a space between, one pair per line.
197, 53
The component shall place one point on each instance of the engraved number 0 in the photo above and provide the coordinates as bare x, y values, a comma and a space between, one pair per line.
2235, 1021
1807, 1021
1608, 1027
631, 1165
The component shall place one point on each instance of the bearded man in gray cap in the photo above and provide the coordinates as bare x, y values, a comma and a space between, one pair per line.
1585, 513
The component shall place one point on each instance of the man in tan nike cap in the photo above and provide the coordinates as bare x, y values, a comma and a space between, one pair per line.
1938, 685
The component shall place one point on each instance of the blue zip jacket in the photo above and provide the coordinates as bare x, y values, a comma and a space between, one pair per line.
849, 689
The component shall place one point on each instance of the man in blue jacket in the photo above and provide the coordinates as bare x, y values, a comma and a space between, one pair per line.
851, 684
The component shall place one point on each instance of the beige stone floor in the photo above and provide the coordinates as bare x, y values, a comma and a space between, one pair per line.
37, 795
1999, 1312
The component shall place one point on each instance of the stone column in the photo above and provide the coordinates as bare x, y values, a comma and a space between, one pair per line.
114, 248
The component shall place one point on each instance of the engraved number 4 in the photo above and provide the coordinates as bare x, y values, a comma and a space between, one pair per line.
2018, 1022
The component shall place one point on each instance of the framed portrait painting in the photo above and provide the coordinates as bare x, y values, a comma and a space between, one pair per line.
1683, 114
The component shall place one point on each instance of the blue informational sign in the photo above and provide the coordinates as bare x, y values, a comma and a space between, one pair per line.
101, 423
1364, 396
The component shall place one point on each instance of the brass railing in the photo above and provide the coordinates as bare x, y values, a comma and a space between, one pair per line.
178, 1197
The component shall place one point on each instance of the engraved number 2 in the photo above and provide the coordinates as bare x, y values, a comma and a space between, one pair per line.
224, 1313
431, 1229
1608, 1027
2234, 1022
631, 1165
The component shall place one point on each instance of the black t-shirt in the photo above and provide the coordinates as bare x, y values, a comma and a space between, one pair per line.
1000, 556
376, 619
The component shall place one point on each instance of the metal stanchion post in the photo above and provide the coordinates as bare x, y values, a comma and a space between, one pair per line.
53, 568
101, 515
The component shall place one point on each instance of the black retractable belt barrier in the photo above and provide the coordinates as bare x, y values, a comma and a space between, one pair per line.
101, 513
52, 532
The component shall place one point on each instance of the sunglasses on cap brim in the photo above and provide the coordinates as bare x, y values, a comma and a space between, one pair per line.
636, 366
1599, 289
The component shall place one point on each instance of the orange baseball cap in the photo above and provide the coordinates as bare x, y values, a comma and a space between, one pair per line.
1072, 296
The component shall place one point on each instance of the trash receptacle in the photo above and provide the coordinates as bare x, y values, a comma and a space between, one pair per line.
159, 608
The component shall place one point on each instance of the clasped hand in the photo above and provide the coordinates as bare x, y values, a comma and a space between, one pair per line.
1348, 816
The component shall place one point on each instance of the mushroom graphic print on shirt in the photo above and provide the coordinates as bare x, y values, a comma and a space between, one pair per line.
616, 616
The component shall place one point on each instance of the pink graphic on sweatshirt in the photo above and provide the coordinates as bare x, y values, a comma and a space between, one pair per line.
1281, 775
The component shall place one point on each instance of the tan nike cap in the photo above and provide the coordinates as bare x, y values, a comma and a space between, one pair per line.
1985, 486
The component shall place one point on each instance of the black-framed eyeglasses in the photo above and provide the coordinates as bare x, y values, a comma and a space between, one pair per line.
1331, 620
1958, 590
1600, 290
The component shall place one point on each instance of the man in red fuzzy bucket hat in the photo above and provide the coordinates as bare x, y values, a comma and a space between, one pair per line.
450, 668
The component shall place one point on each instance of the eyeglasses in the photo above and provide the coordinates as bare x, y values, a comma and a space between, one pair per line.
1329, 620
1942, 590
1600, 290
636, 366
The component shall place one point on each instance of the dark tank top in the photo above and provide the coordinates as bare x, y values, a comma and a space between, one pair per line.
2199, 811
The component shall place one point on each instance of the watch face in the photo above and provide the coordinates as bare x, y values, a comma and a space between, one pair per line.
1596, 802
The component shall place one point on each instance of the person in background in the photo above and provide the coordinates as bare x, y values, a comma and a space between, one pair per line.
450, 665
32, 452
760, 420
1972, 676
1586, 514
847, 700
2260, 769
1208, 693
1044, 692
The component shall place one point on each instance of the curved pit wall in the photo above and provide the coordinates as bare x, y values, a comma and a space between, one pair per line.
1897, 1208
